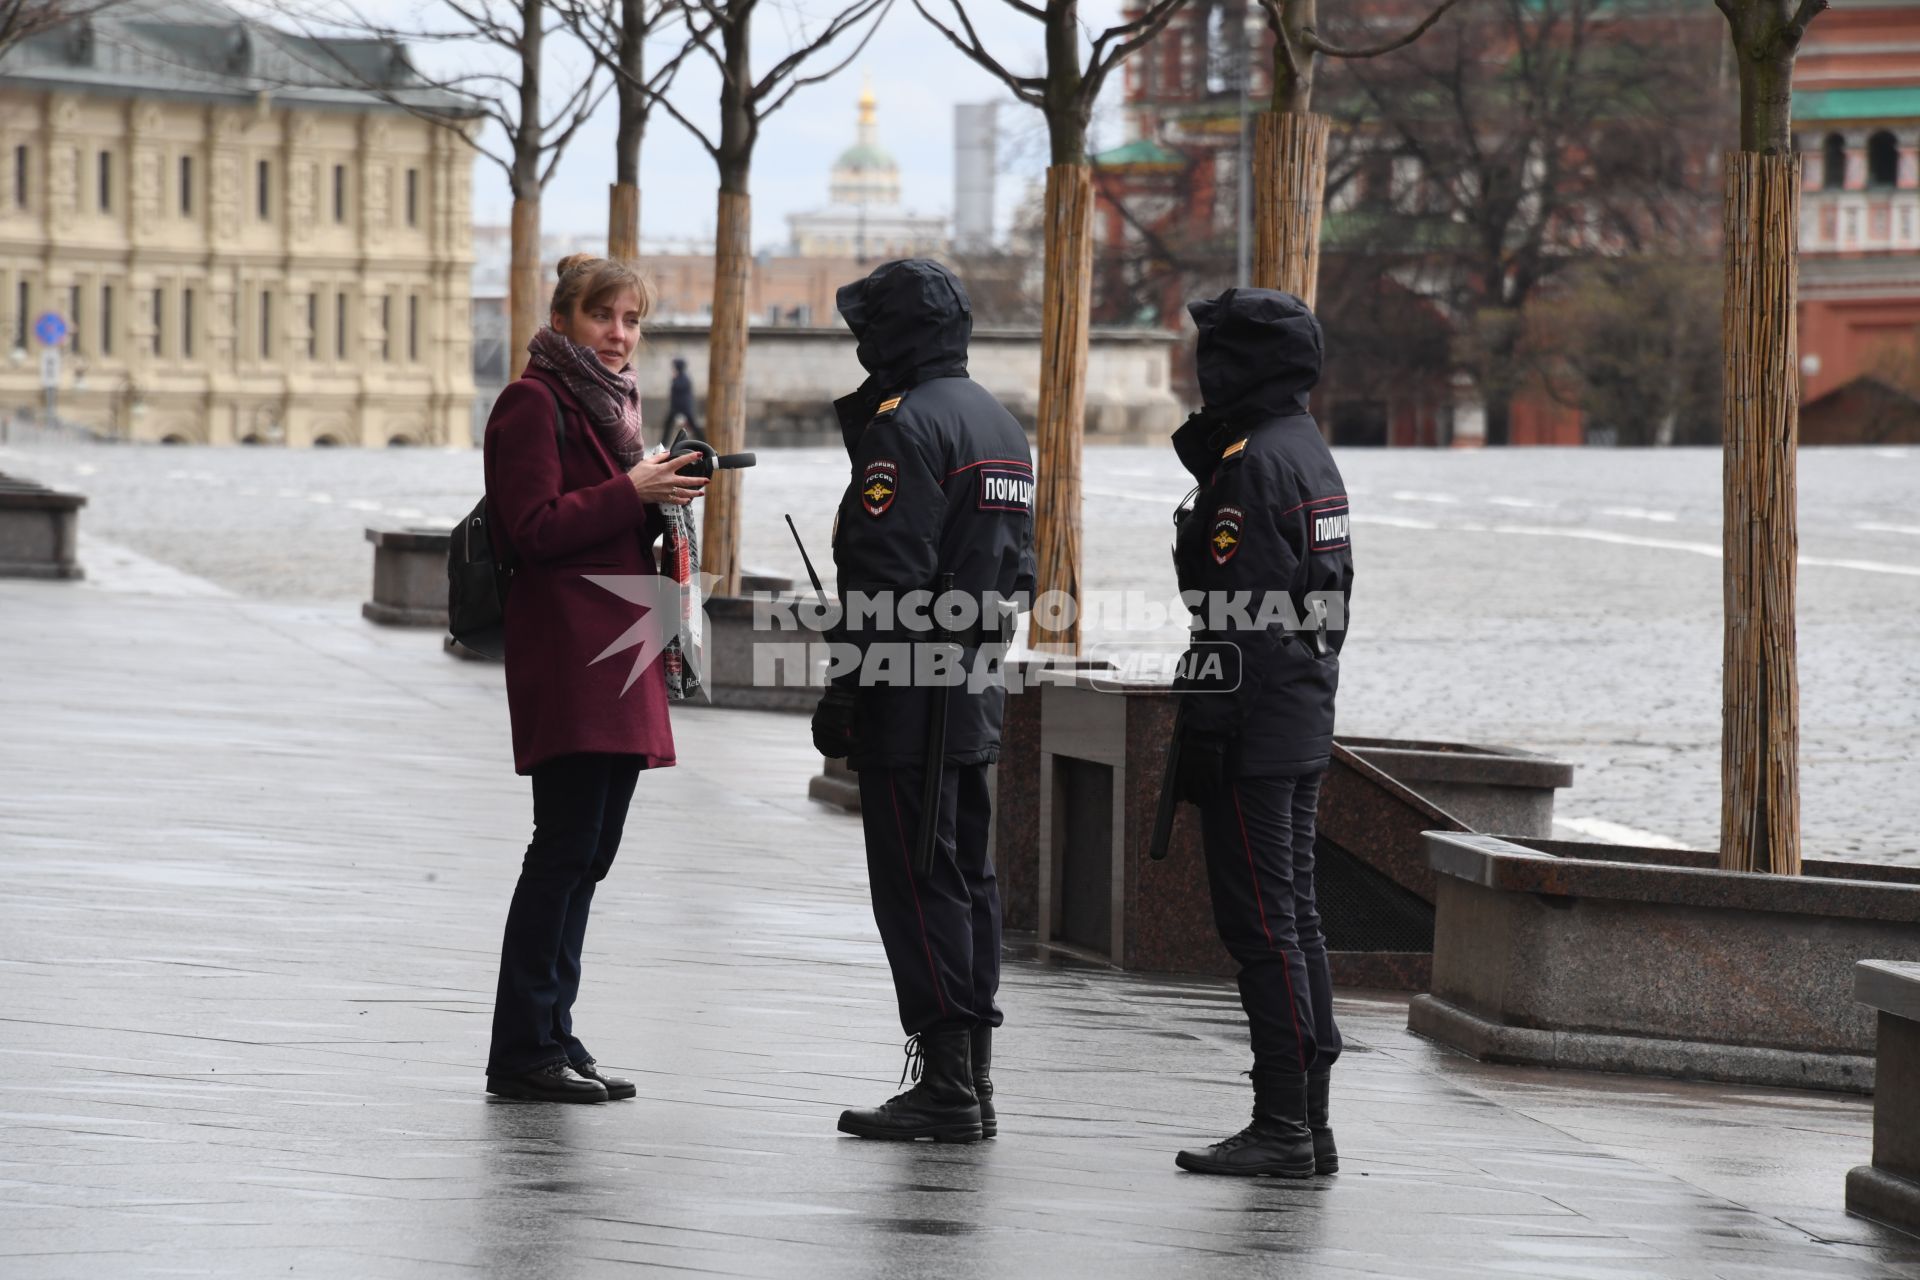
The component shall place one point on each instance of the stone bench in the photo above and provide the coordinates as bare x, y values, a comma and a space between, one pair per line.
1656, 962
39, 530
1888, 1190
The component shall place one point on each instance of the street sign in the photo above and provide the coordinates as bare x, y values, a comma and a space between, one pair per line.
50, 368
50, 328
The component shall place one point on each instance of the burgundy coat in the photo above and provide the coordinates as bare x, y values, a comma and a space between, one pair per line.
565, 512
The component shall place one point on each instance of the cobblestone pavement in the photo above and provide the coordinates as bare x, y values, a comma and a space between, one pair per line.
1565, 601
257, 855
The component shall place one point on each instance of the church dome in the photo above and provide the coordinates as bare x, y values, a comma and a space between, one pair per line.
865, 174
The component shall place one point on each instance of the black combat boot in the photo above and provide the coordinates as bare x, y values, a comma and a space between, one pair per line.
1277, 1142
941, 1105
1326, 1158
982, 1085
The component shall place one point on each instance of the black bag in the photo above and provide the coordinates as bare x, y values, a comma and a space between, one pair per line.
479, 574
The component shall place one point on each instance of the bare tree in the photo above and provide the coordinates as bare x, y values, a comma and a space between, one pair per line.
1531, 136
1760, 695
617, 32
1290, 144
723, 30
536, 136
1076, 68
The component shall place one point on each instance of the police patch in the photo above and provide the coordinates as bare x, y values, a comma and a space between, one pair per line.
1005, 489
1327, 525
878, 486
1223, 540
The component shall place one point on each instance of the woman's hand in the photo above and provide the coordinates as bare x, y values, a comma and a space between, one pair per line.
657, 479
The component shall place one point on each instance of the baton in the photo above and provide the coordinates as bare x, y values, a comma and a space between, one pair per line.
1163, 812
807, 560
936, 762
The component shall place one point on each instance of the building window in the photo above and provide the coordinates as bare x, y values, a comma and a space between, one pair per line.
106, 319
339, 193
313, 326
413, 327
186, 186
413, 197
73, 318
20, 310
106, 182
20, 188
186, 323
263, 189
159, 321
1833, 163
1883, 160
386, 327
266, 324
340, 326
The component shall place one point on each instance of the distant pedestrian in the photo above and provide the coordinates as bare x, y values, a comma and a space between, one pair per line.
1268, 527
571, 495
680, 403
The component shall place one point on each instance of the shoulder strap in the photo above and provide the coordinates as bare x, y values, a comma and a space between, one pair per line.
559, 414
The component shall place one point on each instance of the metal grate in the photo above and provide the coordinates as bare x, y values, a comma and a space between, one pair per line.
1362, 910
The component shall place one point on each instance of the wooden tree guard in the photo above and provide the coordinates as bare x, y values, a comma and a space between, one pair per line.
1760, 707
1063, 397
1289, 179
726, 390
623, 222
526, 301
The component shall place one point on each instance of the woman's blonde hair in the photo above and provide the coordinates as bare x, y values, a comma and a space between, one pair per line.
587, 281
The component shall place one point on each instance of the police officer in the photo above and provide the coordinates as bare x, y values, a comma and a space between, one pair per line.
1267, 526
942, 483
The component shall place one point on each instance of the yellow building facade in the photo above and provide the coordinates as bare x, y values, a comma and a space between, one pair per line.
237, 258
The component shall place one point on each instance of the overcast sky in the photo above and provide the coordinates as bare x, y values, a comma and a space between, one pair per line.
916, 76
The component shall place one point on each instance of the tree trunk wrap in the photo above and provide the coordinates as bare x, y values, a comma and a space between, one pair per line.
1760, 704
726, 389
1289, 183
623, 222
1063, 393
525, 297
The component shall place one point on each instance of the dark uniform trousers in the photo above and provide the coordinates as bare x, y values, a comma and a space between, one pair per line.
1259, 845
580, 807
942, 931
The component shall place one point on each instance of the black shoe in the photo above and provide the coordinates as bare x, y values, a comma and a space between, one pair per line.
941, 1105
1277, 1143
982, 1085
1326, 1158
616, 1087
556, 1083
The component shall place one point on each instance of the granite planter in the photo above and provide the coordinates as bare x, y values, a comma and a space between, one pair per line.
39, 530
1494, 789
1654, 961
1888, 1190
409, 578
741, 668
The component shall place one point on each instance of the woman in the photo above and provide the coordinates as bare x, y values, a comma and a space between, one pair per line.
572, 496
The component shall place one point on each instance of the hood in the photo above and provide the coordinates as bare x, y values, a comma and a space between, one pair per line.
912, 319
1257, 345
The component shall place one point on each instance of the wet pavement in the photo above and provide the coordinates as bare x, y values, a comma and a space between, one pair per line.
257, 855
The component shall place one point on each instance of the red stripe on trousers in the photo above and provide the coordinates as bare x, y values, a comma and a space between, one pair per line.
1286, 970
926, 944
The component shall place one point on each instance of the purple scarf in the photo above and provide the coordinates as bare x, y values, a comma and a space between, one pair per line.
612, 400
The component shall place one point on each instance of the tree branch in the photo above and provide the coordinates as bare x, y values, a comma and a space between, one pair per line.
1129, 37
1809, 10
843, 21
1311, 38
1028, 89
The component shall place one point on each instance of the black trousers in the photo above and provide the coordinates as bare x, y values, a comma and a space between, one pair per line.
579, 810
1259, 843
941, 931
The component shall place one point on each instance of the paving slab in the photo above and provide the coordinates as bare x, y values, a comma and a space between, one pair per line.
257, 858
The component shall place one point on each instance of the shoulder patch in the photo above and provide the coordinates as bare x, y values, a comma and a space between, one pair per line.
878, 484
1223, 538
888, 405
1234, 448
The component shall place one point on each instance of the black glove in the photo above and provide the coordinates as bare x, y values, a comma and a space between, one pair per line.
1201, 776
833, 722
